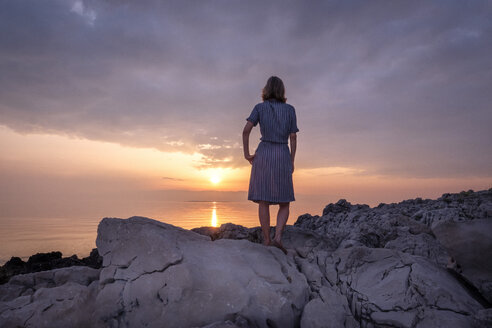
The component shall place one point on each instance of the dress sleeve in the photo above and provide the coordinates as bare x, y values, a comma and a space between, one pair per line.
293, 122
254, 117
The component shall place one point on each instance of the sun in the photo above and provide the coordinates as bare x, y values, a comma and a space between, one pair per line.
215, 179
216, 175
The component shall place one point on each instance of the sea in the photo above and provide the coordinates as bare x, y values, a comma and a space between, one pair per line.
76, 234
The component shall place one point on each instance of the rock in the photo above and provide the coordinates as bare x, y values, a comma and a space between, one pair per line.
298, 239
422, 245
27, 284
305, 242
222, 324
394, 318
470, 244
317, 314
329, 310
230, 231
68, 305
407, 289
343, 206
42, 261
61, 297
154, 273
46, 261
411, 226
444, 319
94, 260
234, 231
238, 322
212, 232
483, 318
12, 267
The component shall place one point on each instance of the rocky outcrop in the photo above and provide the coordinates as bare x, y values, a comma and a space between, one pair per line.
387, 287
470, 245
453, 231
418, 263
61, 297
156, 274
446, 240
46, 261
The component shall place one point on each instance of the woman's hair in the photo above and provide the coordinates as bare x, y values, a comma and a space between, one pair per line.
274, 88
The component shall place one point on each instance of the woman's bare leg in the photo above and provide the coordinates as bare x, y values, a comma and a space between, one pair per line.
264, 214
282, 217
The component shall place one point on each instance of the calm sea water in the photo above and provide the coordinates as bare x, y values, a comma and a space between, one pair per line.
25, 236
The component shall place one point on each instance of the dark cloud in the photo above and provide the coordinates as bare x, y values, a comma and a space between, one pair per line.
391, 87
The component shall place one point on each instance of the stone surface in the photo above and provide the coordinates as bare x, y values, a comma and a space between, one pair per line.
46, 261
453, 231
239, 322
154, 273
66, 305
27, 284
329, 310
318, 314
470, 244
483, 318
400, 289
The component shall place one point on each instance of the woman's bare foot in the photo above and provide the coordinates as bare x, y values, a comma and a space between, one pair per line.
267, 242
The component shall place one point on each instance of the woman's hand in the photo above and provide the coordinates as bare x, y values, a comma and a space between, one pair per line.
250, 158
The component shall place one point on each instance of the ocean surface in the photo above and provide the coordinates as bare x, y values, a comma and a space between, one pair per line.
25, 236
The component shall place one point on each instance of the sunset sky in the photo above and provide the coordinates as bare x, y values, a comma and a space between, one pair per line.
116, 100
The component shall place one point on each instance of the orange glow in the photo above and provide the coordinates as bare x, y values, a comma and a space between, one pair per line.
153, 169
44, 164
214, 215
215, 179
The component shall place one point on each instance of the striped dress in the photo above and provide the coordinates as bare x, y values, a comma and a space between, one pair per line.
271, 172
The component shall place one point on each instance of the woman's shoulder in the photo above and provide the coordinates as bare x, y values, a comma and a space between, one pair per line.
262, 105
289, 107
274, 101
266, 103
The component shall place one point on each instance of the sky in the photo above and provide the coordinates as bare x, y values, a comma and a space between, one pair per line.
118, 100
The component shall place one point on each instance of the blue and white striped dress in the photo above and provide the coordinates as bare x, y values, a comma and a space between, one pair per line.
271, 173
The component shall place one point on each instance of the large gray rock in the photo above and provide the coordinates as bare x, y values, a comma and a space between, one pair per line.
455, 227
388, 287
331, 309
385, 226
483, 319
155, 274
470, 244
27, 284
56, 298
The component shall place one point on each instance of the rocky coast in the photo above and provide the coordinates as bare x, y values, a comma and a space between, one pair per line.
417, 263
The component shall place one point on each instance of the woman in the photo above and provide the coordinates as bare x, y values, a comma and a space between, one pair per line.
272, 163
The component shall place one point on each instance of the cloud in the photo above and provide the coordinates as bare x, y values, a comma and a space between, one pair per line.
172, 179
389, 88
79, 8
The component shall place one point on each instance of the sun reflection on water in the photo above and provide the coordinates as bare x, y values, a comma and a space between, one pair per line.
214, 215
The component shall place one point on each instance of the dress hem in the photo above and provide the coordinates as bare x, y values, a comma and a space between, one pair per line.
271, 202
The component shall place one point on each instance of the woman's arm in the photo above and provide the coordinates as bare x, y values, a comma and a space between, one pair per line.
246, 131
293, 148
